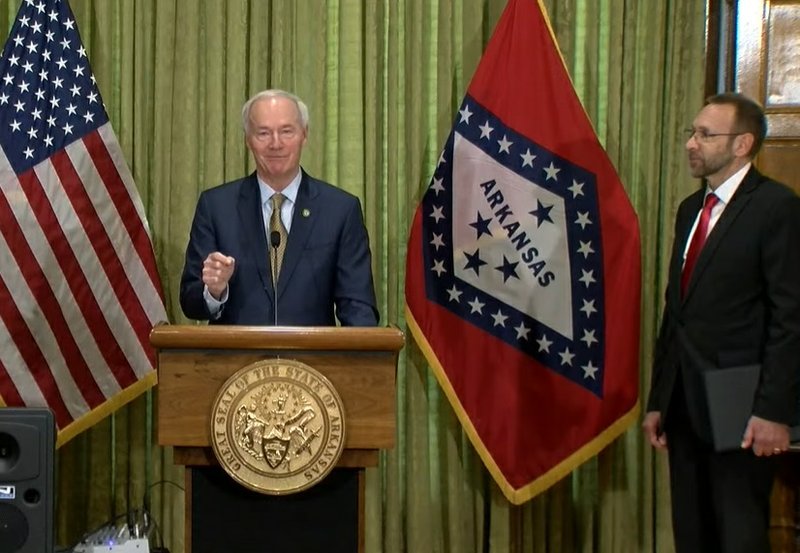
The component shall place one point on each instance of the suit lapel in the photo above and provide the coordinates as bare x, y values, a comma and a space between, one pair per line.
738, 202
683, 226
306, 210
251, 220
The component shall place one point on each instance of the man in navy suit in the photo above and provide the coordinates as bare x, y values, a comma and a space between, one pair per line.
325, 268
733, 299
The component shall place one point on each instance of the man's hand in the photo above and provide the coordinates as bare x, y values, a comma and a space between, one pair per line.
652, 430
765, 437
217, 271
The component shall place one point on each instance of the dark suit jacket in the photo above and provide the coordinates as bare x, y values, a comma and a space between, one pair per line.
326, 269
742, 304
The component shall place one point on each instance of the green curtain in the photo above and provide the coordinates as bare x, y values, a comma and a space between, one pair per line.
383, 79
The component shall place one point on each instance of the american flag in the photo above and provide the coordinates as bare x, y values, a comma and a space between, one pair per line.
79, 288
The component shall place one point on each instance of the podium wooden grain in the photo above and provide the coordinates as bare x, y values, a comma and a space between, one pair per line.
195, 361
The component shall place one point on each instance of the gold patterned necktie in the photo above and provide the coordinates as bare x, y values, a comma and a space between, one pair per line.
276, 225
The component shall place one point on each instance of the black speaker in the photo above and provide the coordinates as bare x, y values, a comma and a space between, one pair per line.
27, 448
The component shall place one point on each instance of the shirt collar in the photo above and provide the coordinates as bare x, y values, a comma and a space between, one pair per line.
727, 189
290, 192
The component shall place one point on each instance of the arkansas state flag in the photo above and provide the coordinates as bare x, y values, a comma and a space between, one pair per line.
523, 271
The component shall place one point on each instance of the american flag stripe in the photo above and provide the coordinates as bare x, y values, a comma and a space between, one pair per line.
46, 258
99, 241
73, 274
99, 147
134, 247
32, 248
118, 158
34, 294
38, 356
8, 389
77, 350
62, 253
31, 357
136, 258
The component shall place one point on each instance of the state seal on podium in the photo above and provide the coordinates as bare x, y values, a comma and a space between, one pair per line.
277, 426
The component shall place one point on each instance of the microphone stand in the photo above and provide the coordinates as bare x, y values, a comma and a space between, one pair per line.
275, 242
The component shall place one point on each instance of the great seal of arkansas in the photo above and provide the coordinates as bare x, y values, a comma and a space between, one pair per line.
277, 426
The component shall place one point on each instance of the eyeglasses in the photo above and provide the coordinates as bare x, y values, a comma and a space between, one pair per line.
285, 133
702, 135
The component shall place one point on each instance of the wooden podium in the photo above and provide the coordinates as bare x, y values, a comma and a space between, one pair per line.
195, 361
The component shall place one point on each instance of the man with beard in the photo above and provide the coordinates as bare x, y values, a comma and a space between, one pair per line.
733, 299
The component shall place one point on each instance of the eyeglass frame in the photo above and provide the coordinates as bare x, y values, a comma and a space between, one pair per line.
285, 134
704, 136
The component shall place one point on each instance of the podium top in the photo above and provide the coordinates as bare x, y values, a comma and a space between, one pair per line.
277, 337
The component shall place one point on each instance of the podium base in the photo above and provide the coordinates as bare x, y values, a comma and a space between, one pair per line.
228, 517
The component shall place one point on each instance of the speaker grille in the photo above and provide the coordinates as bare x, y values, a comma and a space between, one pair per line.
13, 529
9, 452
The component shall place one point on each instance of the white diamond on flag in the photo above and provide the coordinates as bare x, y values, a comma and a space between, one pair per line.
527, 261
510, 232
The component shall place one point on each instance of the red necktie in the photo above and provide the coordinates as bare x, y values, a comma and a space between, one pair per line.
698, 239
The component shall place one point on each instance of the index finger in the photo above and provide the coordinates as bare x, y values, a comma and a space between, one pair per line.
220, 257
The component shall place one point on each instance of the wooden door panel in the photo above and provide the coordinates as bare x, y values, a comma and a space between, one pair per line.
781, 161
783, 56
767, 68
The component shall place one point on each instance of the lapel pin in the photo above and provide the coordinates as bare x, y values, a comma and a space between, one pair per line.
306, 213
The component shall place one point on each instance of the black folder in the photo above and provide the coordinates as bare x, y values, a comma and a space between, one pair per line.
730, 394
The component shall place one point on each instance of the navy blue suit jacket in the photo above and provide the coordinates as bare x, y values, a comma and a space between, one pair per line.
326, 272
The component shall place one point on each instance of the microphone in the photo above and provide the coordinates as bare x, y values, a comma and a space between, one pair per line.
275, 242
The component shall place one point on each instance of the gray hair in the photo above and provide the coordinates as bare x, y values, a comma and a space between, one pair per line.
302, 109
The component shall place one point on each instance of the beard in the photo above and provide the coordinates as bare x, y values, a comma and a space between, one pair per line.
702, 166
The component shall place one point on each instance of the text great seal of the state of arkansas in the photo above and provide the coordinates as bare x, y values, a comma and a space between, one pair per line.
277, 426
